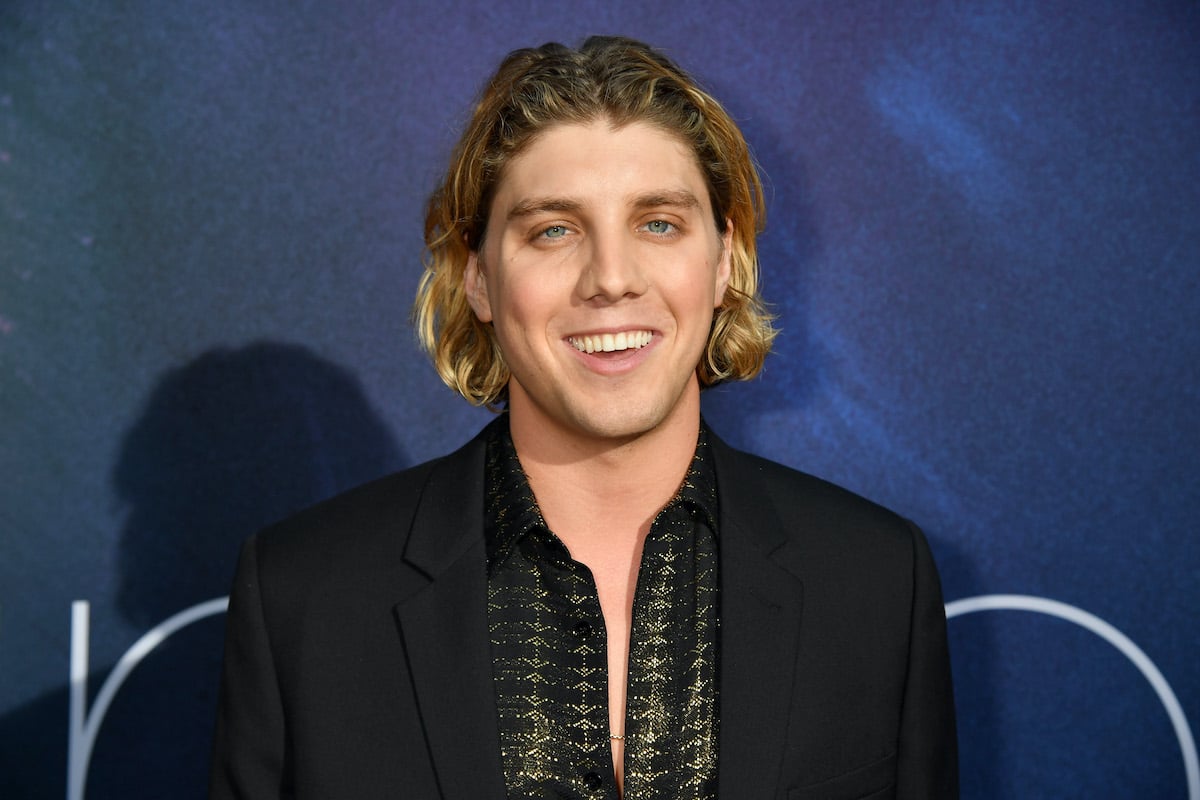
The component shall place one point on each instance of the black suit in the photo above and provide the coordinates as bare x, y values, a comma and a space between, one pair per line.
357, 659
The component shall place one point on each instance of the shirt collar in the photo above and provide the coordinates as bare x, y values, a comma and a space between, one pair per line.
698, 492
512, 510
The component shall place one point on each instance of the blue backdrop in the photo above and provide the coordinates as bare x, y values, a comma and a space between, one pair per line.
983, 245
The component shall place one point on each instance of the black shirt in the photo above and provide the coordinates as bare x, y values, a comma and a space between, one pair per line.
549, 660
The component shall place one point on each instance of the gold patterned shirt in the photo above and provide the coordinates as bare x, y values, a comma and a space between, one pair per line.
549, 660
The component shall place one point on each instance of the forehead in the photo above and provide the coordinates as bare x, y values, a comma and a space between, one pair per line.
595, 162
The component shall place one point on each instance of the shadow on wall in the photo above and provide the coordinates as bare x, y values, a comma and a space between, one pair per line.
228, 443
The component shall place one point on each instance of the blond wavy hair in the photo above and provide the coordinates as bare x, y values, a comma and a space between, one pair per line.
615, 79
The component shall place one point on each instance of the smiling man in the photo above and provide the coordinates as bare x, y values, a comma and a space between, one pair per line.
594, 598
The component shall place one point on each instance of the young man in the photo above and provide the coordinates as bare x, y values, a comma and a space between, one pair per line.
596, 597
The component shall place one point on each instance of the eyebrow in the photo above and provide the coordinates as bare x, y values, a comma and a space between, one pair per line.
680, 198
541, 205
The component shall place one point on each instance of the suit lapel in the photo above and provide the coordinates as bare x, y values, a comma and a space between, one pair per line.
760, 625
444, 626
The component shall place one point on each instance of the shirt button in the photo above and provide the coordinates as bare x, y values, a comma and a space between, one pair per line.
583, 630
593, 781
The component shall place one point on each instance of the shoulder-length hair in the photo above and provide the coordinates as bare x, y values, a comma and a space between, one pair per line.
610, 78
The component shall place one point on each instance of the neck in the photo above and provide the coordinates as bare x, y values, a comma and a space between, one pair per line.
611, 487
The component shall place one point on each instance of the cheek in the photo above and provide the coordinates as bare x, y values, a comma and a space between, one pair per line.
526, 304
698, 288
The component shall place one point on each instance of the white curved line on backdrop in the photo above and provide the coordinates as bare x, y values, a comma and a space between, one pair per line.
1084, 619
81, 751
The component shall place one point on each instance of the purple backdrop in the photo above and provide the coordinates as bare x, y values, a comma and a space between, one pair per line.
983, 246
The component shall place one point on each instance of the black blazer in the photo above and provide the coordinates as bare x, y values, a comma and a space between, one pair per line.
357, 659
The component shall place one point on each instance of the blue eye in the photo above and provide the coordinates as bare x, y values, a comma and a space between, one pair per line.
659, 226
555, 232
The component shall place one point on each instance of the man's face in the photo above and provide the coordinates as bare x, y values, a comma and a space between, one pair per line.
600, 272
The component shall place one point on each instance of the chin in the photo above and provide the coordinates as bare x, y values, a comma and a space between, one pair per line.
624, 420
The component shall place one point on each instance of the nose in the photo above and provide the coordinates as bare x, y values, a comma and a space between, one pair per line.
611, 271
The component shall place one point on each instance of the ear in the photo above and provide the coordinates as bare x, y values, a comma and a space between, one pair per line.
475, 286
725, 265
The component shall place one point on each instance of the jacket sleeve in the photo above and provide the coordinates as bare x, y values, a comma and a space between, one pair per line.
928, 747
250, 742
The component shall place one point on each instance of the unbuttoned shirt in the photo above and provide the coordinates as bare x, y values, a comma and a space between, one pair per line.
549, 659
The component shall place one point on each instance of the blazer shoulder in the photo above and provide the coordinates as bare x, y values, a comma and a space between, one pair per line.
370, 523
794, 491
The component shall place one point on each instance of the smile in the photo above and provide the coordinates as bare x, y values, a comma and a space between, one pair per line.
611, 342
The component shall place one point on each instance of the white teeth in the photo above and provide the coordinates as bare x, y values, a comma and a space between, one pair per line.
611, 342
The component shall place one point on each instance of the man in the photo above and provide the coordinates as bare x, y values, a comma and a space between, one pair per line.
595, 597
